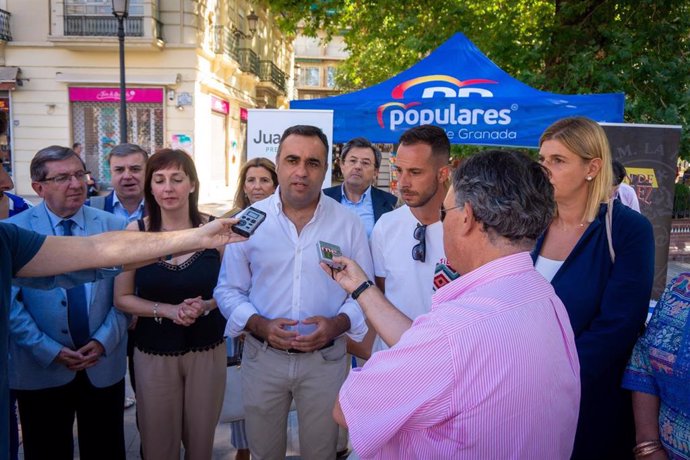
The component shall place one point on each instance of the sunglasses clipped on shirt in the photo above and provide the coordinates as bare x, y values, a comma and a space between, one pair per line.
419, 249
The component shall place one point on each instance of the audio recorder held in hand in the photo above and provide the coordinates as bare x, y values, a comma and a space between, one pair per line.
326, 253
250, 220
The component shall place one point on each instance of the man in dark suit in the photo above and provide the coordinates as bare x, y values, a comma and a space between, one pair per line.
127, 174
67, 346
360, 161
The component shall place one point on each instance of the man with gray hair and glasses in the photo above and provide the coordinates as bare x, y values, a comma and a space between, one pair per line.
492, 370
48, 261
67, 346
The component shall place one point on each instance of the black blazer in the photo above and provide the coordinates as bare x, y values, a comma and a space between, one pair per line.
382, 202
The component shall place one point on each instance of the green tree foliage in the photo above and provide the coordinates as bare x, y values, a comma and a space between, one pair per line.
639, 47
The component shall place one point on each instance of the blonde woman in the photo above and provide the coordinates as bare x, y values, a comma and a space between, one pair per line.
607, 301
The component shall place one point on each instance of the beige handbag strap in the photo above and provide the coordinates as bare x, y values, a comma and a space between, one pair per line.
609, 226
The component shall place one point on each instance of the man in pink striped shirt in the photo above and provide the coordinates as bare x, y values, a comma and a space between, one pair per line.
491, 372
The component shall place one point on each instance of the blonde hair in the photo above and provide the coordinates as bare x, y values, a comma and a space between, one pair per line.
241, 200
585, 138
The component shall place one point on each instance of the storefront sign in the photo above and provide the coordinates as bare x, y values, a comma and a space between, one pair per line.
133, 95
219, 105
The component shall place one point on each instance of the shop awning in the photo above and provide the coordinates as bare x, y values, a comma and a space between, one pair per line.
8, 78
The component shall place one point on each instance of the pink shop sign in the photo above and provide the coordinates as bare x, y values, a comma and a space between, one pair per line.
219, 105
141, 95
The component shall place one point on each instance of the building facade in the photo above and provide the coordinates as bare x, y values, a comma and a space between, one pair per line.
316, 61
193, 68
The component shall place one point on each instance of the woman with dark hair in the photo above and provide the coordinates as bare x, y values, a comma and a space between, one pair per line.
179, 357
258, 180
600, 262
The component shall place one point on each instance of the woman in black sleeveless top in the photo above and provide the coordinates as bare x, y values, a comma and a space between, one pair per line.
180, 357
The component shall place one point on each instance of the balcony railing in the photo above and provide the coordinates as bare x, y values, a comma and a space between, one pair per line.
5, 33
271, 73
103, 26
249, 61
225, 42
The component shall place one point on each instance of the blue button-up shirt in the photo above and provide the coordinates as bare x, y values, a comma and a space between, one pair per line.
120, 210
364, 208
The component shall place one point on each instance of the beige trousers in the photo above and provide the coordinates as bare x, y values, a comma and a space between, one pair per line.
179, 399
271, 379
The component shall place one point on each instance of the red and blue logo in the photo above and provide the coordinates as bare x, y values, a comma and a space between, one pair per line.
399, 113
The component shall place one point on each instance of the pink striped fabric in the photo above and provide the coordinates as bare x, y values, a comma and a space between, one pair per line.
491, 372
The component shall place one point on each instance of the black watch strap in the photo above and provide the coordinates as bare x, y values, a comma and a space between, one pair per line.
362, 287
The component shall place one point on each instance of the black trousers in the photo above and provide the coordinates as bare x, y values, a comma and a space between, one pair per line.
47, 418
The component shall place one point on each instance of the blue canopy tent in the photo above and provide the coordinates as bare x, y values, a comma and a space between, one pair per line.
459, 89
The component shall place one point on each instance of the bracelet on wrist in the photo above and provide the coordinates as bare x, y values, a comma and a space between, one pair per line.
156, 318
646, 448
362, 287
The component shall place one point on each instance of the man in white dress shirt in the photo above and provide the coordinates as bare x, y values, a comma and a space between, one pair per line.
296, 317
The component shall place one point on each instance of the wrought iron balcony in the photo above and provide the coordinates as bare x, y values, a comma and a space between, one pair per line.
225, 42
104, 26
249, 61
5, 33
269, 72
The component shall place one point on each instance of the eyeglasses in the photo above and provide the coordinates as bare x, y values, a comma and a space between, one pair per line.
61, 179
444, 211
419, 249
366, 164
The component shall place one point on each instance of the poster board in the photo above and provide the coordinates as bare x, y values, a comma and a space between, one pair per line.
649, 154
266, 126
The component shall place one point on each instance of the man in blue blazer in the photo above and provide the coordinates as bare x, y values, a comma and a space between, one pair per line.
67, 347
360, 161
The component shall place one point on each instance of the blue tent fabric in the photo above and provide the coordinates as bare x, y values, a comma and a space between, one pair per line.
459, 89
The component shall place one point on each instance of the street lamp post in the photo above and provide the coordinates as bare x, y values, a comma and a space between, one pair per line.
121, 11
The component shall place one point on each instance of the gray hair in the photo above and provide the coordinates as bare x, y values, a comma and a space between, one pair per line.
364, 143
122, 150
38, 168
510, 194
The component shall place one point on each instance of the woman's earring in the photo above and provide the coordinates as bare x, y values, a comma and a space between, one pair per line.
589, 178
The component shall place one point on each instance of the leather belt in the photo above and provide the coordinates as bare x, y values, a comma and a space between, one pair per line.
290, 351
